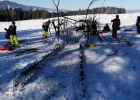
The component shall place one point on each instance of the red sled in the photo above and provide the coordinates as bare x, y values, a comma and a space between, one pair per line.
128, 30
102, 32
7, 48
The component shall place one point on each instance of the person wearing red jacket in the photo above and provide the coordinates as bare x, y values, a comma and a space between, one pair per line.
115, 26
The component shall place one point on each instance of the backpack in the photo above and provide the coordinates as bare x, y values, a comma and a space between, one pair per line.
7, 36
43, 25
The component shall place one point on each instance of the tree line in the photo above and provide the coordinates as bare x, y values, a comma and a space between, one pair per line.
20, 14
100, 10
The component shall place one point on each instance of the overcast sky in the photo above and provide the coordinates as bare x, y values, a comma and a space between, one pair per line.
82, 4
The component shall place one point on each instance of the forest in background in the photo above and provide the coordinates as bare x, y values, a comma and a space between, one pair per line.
20, 14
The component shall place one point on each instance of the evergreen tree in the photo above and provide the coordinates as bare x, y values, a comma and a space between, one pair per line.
19, 14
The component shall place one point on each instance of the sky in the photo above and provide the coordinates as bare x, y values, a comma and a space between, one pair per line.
82, 4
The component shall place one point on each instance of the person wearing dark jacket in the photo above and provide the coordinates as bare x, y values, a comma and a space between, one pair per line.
115, 26
12, 32
138, 24
45, 26
106, 28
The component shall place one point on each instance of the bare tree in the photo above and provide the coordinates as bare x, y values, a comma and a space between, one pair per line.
92, 24
92, 1
58, 28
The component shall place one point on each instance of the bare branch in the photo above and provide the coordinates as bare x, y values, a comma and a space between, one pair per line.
58, 2
102, 6
92, 1
54, 3
58, 28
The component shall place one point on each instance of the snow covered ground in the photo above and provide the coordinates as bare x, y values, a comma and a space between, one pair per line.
64, 71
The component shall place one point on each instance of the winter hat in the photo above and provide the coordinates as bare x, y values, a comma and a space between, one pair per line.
117, 16
13, 23
49, 21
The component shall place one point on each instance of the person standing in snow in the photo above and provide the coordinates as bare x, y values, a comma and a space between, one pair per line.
45, 26
12, 32
138, 24
115, 26
55, 28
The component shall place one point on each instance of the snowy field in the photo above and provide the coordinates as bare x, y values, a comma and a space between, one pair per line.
61, 70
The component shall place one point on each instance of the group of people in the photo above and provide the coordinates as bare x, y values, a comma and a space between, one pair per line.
14, 40
115, 26
12, 35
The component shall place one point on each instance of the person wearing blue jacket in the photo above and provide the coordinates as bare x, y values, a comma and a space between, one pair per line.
12, 32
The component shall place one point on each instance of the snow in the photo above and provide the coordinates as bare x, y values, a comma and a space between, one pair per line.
109, 73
